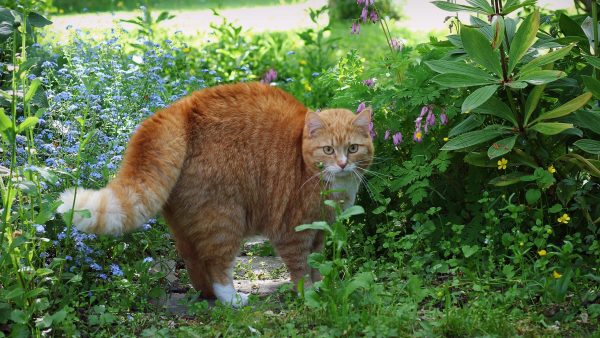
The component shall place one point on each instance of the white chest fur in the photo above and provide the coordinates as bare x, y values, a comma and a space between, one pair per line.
348, 187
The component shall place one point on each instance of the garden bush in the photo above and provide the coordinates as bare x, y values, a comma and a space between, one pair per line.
479, 216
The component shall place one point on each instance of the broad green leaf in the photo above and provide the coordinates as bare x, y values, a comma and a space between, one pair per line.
569, 27
33, 87
508, 179
592, 84
532, 196
566, 108
516, 84
478, 97
594, 61
457, 67
546, 59
5, 121
37, 20
18, 317
314, 226
589, 146
501, 147
469, 250
497, 31
532, 101
351, 211
539, 77
483, 5
521, 157
362, 280
523, 39
589, 165
27, 123
468, 124
479, 48
450, 7
452, 80
551, 128
471, 138
479, 160
589, 119
496, 107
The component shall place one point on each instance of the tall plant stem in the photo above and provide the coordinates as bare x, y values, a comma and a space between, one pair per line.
595, 29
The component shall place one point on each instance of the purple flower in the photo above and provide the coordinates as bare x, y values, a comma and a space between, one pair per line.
418, 136
430, 121
115, 270
418, 123
397, 138
102, 276
424, 111
148, 260
355, 28
39, 228
372, 130
373, 16
369, 82
386, 135
443, 119
364, 14
397, 44
361, 2
270, 76
361, 107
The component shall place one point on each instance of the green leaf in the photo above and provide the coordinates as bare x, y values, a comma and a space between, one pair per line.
27, 123
513, 5
452, 80
457, 67
479, 48
594, 61
497, 31
569, 27
5, 121
539, 77
469, 250
479, 160
566, 108
532, 196
589, 165
592, 84
468, 124
18, 317
351, 211
523, 39
532, 101
589, 119
362, 280
33, 87
314, 226
37, 20
589, 146
516, 84
547, 58
483, 5
451, 7
497, 107
508, 179
478, 97
471, 138
501, 147
551, 128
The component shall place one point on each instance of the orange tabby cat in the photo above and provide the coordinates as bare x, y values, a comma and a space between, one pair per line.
227, 162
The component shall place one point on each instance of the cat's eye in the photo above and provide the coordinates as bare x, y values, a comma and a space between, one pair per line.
353, 148
328, 150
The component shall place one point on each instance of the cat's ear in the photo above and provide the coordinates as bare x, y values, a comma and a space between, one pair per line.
363, 119
313, 123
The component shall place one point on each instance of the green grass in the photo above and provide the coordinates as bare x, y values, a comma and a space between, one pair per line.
219, 4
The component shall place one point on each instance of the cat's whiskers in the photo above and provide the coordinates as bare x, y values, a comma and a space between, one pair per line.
375, 173
318, 174
364, 182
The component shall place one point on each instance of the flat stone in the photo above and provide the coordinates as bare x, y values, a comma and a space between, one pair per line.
259, 268
259, 287
167, 266
252, 242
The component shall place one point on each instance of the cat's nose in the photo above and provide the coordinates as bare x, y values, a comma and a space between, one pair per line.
342, 164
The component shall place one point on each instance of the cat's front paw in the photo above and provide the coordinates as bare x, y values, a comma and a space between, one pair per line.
239, 300
227, 294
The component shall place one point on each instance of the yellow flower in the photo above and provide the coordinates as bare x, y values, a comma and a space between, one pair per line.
446, 139
549, 231
502, 164
307, 87
564, 219
556, 275
551, 169
521, 243
302, 62
542, 253
186, 50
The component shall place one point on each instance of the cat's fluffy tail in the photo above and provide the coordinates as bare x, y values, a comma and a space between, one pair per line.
150, 169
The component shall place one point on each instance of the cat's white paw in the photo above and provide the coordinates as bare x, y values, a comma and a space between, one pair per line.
227, 294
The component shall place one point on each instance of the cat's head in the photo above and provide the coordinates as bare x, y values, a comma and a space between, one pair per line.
337, 141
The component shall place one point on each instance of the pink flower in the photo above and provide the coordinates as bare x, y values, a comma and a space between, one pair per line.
430, 118
397, 44
397, 138
355, 28
418, 123
361, 107
373, 16
424, 111
270, 76
386, 135
361, 2
369, 82
443, 119
364, 14
372, 130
